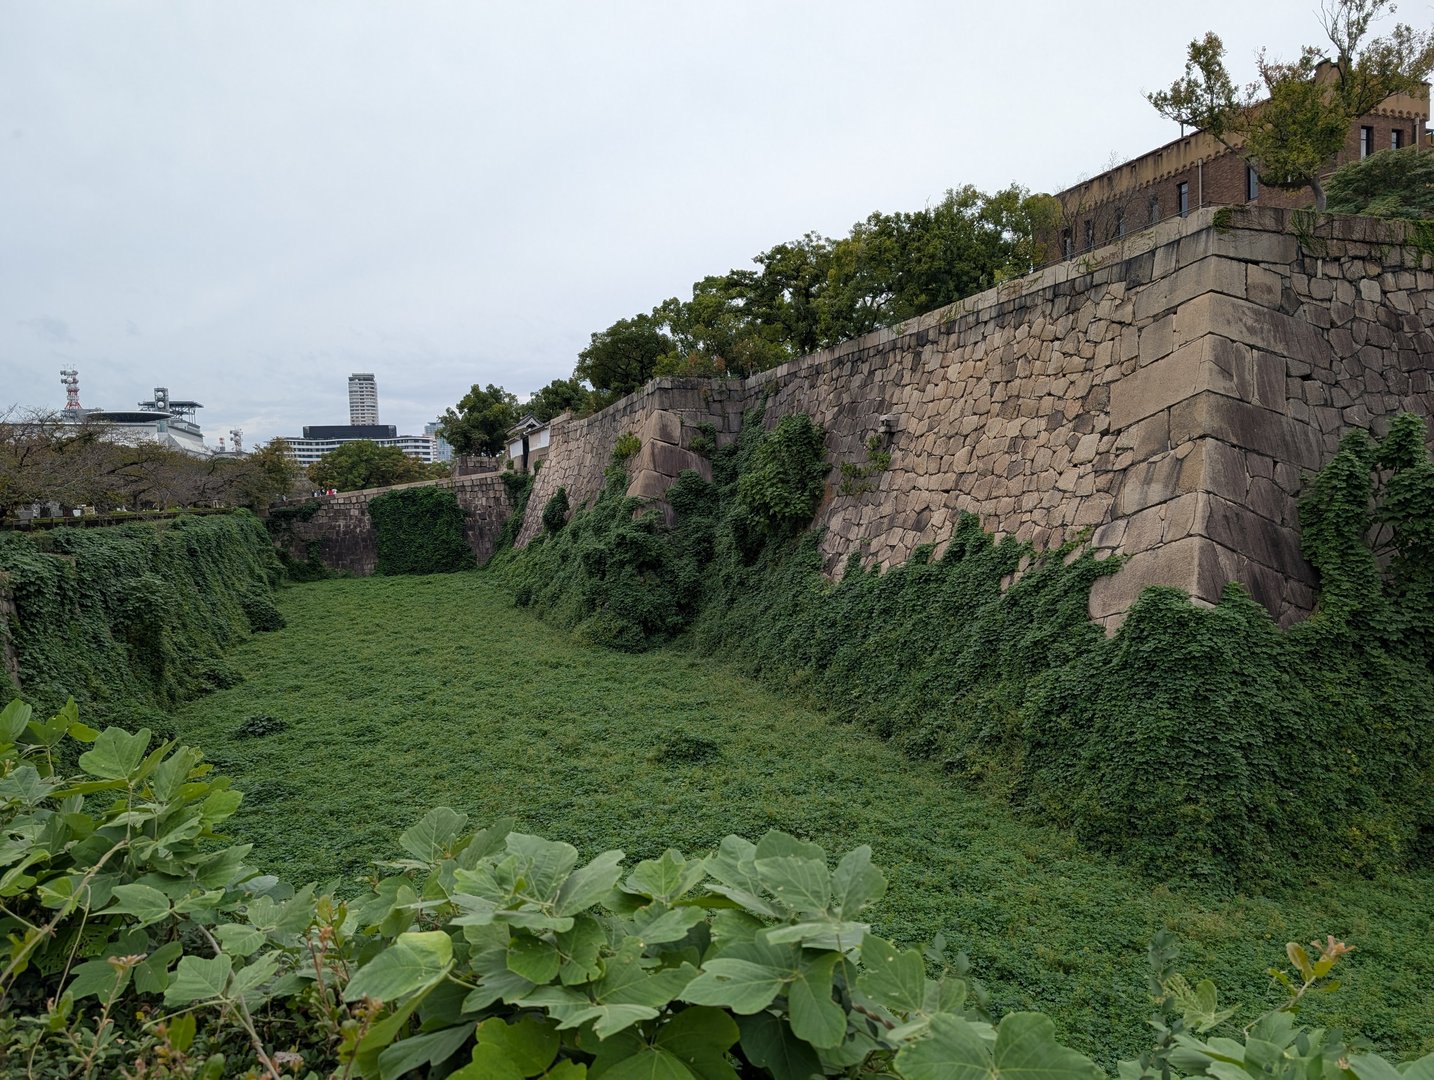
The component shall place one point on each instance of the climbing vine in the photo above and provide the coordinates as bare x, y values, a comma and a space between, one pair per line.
1204, 742
419, 530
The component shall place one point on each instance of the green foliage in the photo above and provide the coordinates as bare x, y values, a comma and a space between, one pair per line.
555, 512
1292, 122
496, 953
362, 463
519, 486
621, 358
588, 744
780, 483
625, 448
136, 613
858, 479
480, 422
420, 530
1015, 688
1388, 184
280, 523
559, 396
814, 292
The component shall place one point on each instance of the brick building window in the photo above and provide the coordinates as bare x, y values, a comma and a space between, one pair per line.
1396, 138
1366, 141
1120, 221
1089, 234
1252, 184
1154, 209
1067, 248
1182, 198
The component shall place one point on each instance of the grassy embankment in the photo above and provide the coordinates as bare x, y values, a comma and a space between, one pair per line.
399, 694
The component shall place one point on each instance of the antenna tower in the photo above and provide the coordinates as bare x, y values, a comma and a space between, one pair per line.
70, 379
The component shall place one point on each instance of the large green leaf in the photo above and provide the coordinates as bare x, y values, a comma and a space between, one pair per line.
146, 904
529, 1043
415, 960
545, 863
815, 1017
856, 883
891, 977
667, 878
579, 948
800, 883
649, 1063
26, 786
768, 1042
1025, 1049
199, 978
588, 884
534, 958
489, 1063
13, 719
739, 985
656, 923
700, 1038
432, 1048
116, 755
431, 838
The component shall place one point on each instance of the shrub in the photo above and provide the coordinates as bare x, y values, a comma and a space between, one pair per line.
420, 530
555, 513
135, 613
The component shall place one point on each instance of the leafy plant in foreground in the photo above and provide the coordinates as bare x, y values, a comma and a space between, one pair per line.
496, 954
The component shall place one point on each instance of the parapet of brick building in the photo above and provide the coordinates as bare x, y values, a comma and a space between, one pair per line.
1197, 170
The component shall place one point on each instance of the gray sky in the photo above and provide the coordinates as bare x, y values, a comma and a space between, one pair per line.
248, 201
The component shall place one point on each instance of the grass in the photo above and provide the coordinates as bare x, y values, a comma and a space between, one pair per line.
393, 695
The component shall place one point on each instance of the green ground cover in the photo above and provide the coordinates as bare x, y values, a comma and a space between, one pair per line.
385, 697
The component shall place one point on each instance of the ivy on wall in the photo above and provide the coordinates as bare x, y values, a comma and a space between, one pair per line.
419, 530
1196, 742
138, 615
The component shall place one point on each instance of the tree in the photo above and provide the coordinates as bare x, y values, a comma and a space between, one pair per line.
1389, 184
621, 358
480, 423
1292, 122
364, 464
559, 396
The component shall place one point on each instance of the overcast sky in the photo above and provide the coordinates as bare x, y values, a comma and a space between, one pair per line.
245, 202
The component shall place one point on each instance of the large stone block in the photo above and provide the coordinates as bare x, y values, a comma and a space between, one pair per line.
1246, 426
1250, 324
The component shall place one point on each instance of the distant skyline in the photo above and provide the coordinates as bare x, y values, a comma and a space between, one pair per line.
248, 202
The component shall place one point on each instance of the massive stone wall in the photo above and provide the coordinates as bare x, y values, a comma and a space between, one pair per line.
1165, 398
343, 531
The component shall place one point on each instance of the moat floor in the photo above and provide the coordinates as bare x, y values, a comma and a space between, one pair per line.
400, 694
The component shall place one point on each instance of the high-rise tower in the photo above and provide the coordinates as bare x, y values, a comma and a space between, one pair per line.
363, 399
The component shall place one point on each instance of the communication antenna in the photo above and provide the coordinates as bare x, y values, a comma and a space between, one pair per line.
70, 379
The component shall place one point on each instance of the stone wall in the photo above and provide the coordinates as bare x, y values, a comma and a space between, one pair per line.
344, 531
1166, 398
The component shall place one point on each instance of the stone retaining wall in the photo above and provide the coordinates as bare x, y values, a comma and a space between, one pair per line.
1166, 398
344, 531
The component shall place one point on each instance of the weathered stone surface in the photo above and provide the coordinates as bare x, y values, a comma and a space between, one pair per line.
1159, 395
343, 530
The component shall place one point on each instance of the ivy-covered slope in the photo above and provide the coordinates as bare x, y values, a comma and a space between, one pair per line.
1196, 742
136, 615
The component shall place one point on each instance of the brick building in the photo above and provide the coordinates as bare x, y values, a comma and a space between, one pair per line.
1197, 170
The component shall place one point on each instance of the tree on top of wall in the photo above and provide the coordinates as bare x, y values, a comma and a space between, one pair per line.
1290, 124
480, 422
364, 464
